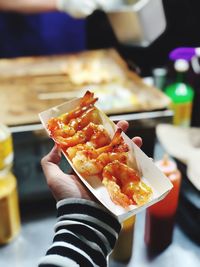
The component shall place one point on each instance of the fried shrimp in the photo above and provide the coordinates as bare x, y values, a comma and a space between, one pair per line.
90, 115
139, 192
128, 180
94, 133
101, 142
115, 193
69, 123
88, 163
86, 102
117, 144
71, 151
57, 127
92, 161
97, 140
93, 152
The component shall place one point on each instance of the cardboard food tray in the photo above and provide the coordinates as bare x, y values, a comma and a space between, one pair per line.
23, 80
150, 174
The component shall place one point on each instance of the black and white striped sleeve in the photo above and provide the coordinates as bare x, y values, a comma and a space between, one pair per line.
85, 234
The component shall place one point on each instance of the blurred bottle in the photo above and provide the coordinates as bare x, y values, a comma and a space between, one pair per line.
123, 248
6, 149
130, 2
160, 76
160, 218
194, 79
181, 94
9, 206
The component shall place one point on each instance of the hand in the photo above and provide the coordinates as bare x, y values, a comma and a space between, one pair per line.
65, 185
78, 8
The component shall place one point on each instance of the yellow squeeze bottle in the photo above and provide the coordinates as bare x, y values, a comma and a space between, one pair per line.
9, 206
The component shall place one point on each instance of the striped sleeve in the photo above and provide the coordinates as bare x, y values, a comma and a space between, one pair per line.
85, 234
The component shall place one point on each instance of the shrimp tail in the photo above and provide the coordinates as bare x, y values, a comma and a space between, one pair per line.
117, 144
86, 103
88, 99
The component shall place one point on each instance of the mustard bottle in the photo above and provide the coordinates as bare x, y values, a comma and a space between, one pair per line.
6, 148
123, 248
9, 208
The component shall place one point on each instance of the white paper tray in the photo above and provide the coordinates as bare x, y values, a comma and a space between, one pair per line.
151, 175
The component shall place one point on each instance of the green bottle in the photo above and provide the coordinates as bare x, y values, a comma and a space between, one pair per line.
181, 95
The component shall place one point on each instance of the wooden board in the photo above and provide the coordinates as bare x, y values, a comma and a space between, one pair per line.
33, 84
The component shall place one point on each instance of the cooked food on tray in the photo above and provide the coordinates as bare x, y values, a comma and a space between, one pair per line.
55, 79
86, 142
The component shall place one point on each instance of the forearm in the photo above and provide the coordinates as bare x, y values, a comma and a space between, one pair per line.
85, 235
28, 6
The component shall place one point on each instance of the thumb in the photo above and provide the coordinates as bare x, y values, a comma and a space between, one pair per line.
53, 156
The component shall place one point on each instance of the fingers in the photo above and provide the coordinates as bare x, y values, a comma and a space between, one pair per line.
123, 125
61, 185
137, 140
53, 156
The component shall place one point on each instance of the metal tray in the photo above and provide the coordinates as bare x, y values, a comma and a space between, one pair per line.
23, 82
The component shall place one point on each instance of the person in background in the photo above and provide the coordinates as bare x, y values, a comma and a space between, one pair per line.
183, 20
35, 27
85, 232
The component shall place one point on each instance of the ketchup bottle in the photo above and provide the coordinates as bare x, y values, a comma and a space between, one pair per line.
160, 217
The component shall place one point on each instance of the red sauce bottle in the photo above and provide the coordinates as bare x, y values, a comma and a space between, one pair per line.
160, 217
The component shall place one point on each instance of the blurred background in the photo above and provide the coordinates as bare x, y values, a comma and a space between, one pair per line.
141, 58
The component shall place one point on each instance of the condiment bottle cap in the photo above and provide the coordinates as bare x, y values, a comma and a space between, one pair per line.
181, 65
166, 165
